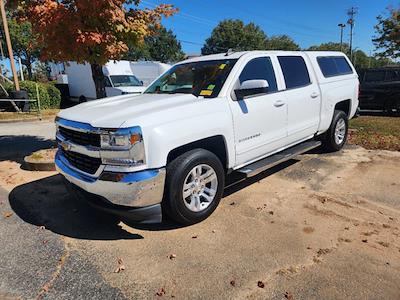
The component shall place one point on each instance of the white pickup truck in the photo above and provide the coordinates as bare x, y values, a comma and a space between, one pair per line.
171, 149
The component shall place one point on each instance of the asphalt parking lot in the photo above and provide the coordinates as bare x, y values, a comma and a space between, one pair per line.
323, 226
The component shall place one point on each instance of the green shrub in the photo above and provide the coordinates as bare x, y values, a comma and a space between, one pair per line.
54, 96
49, 95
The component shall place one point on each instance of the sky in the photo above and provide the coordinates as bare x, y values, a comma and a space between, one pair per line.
308, 22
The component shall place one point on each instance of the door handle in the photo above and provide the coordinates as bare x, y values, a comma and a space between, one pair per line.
279, 103
314, 95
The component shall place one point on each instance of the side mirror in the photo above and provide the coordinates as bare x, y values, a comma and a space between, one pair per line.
252, 88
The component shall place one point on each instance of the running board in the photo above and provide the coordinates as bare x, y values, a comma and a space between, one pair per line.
275, 159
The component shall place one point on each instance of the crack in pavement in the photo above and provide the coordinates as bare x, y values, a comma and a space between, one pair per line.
49, 284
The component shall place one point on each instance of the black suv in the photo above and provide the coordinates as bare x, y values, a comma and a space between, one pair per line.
380, 89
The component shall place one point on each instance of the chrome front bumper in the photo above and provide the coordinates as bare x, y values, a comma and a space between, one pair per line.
137, 189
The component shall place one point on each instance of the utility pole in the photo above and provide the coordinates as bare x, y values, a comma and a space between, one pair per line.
351, 13
9, 47
342, 26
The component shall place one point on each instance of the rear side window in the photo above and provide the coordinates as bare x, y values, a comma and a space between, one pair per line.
260, 68
294, 71
392, 75
334, 66
375, 76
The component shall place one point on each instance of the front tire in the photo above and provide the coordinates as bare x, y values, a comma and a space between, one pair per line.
336, 136
194, 186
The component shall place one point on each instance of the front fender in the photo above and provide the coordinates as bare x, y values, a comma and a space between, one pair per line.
161, 139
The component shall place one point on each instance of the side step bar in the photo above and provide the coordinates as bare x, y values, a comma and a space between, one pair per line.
275, 159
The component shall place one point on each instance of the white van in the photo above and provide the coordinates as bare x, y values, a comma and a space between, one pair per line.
120, 80
148, 71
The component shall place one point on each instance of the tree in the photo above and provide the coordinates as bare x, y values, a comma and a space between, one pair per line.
233, 34
161, 46
92, 31
24, 43
331, 46
281, 42
361, 60
388, 34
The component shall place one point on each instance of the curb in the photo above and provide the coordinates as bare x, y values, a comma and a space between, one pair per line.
26, 120
40, 163
38, 166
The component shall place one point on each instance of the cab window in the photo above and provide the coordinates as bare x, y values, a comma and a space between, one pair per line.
260, 68
294, 71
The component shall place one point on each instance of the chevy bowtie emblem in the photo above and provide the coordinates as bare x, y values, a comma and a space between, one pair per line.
66, 146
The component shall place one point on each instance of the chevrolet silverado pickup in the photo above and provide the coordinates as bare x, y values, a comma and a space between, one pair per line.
169, 150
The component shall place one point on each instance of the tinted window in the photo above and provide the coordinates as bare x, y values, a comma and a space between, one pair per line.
342, 65
327, 66
392, 75
295, 71
373, 76
334, 66
260, 68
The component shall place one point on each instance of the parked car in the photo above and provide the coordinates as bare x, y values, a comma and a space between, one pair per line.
170, 149
380, 89
119, 80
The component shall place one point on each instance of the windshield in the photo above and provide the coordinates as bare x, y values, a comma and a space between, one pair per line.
201, 78
125, 80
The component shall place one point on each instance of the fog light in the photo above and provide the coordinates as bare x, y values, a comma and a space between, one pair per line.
114, 177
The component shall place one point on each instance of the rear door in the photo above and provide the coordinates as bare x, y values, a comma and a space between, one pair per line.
260, 120
303, 96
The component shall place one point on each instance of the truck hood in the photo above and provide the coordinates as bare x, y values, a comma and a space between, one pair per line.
132, 89
113, 112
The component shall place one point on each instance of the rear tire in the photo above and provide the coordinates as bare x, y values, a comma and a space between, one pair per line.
194, 186
336, 136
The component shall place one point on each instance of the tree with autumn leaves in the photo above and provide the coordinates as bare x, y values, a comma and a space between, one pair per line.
91, 31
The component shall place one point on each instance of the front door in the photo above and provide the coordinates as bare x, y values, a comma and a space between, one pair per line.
260, 120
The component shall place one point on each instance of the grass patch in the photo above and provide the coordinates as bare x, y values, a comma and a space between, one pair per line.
46, 114
375, 132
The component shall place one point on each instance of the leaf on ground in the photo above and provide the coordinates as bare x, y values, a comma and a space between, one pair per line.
161, 292
46, 287
288, 295
7, 214
260, 284
120, 267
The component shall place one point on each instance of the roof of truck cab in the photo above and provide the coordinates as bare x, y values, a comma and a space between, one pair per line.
237, 55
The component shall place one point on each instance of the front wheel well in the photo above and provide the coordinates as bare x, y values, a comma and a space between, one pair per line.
215, 144
344, 106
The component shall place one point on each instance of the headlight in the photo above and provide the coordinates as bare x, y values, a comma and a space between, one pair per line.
119, 141
123, 147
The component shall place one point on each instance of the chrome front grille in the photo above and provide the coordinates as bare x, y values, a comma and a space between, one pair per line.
82, 162
80, 137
